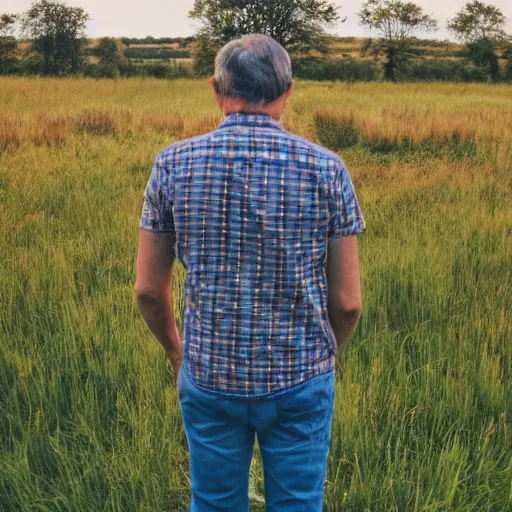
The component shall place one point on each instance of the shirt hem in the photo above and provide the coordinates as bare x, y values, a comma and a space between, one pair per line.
269, 395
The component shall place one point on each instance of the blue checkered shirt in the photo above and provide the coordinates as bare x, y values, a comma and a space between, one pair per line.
251, 208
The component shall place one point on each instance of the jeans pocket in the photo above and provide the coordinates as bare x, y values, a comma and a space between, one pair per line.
199, 409
307, 412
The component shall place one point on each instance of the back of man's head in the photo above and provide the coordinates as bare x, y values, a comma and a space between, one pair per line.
255, 68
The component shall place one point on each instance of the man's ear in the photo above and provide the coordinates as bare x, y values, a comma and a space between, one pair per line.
290, 90
218, 99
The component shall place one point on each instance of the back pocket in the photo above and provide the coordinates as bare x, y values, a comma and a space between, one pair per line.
308, 411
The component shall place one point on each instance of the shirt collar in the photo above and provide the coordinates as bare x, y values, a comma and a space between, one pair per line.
251, 119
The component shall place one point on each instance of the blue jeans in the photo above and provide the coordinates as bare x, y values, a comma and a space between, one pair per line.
294, 432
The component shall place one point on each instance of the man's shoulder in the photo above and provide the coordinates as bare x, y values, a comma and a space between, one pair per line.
180, 148
321, 155
311, 151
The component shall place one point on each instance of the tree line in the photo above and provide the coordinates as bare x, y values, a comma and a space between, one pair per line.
59, 47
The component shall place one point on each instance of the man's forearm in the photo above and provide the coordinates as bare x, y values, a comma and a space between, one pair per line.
343, 324
158, 313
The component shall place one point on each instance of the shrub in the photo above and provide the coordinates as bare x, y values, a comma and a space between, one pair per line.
311, 68
441, 70
156, 53
204, 52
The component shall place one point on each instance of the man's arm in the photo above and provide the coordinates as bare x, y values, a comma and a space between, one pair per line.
343, 287
153, 289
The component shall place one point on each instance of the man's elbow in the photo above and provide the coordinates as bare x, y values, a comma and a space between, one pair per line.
348, 307
148, 295
352, 312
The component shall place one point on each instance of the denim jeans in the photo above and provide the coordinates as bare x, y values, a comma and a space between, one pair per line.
293, 428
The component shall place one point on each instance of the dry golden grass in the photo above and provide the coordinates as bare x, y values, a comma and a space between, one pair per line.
403, 112
396, 125
19, 129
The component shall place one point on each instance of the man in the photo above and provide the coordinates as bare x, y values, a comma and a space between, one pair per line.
265, 223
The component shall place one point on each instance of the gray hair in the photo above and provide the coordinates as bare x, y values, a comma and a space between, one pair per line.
255, 68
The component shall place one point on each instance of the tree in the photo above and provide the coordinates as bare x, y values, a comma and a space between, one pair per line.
204, 52
396, 22
59, 35
8, 43
110, 52
480, 26
295, 24
481, 53
477, 20
508, 68
7, 22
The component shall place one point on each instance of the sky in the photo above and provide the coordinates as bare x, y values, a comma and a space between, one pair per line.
169, 18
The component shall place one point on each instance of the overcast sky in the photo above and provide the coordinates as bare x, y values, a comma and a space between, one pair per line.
159, 18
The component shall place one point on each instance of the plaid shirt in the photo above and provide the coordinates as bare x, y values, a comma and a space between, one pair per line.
251, 209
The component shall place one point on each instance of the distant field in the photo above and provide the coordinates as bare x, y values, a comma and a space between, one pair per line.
340, 48
90, 419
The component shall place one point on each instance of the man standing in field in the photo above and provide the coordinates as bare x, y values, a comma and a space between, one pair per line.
265, 223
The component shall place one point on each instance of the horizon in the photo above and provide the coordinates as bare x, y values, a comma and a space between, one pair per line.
127, 19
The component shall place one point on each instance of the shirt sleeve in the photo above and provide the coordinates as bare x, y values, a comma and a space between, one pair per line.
157, 210
346, 217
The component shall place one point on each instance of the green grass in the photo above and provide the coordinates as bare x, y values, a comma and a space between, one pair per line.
89, 416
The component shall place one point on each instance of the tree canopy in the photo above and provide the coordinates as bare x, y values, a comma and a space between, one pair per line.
395, 22
59, 35
8, 44
110, 53
7, 22
290, 22
477, 20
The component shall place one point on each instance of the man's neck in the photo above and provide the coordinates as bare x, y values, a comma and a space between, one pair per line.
238, 106
248, 113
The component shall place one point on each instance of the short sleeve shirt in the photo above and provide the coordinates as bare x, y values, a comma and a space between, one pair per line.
251, 208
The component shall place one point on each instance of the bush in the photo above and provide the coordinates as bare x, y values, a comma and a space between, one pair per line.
508, 68
101, 71
33, 65
182, 41
311, 68
204, 52
159, 70
441, 70
156, 53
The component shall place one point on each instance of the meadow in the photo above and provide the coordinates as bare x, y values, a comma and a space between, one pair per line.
89, 416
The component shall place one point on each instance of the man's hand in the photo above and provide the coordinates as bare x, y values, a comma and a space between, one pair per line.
176, 359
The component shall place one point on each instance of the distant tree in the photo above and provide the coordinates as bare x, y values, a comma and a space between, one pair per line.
480, 26
482, 53
203, 54
395, 22
7, 22
59, 35
110, 52
477, 20
8, 43
290, 22
508, 69
295, 24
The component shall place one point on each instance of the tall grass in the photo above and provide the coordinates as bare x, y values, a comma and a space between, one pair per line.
89, 414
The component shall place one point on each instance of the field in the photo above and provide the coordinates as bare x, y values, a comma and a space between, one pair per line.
89, 417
